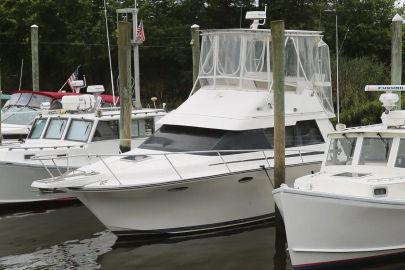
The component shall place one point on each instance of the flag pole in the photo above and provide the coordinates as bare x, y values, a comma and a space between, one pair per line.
60, 89
138, 104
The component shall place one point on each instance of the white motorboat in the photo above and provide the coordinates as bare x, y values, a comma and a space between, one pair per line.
79, 128
210, 164
353, 210
19, 112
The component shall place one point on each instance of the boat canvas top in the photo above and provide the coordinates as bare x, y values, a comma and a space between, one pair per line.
233, 88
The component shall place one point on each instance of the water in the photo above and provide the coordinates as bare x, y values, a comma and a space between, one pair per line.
72, 238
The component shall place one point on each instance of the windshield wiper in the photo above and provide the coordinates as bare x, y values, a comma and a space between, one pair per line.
384, 142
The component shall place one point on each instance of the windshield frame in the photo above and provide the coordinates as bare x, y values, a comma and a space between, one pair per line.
49, 124
80, 120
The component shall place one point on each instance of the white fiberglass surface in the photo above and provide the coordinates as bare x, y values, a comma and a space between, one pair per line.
79, 130
341, 151
375, 151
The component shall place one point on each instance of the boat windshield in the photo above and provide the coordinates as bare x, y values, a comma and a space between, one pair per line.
375, 151
55, 128
28, 99
341, 151
18, 115
173, 138
79, 130
37, 128
400, 159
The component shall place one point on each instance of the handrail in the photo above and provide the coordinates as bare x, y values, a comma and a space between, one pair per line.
164, 154
48, 157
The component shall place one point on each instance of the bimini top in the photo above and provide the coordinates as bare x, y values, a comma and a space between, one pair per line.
241, 59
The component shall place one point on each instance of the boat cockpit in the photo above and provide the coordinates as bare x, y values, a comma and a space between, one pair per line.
86, 130
366, 149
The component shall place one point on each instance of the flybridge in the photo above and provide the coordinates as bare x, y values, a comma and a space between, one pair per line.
240, 59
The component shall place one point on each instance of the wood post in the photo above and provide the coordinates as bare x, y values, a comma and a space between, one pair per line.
277, 56
124, 65
195, 46
396, 53
277, 43
34, 56
1, 94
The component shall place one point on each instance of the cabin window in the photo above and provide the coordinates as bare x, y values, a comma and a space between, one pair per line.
400, 160
79, 130
183, 138
106, 130
243, 140
37, 128
340, 151
55, 128
375, 151
307, 133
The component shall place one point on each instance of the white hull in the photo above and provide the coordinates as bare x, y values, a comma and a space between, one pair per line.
329, 229
16, 180
190, 205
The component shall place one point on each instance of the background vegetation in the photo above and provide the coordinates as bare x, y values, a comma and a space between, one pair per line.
72, 32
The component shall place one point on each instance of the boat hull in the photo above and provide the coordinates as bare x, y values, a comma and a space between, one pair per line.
327, 230
16, 180
189, 206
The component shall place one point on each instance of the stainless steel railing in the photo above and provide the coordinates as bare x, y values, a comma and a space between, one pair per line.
220, 153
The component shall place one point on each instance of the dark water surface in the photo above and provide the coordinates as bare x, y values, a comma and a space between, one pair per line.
72, 238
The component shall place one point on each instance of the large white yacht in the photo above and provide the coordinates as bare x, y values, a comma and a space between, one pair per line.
81, 127
353, 210
209, 166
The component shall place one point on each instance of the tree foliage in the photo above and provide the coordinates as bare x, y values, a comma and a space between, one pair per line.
72, 32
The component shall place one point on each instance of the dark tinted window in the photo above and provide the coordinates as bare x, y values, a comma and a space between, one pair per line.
307, 133
182, 138
303, 133
243, 140
106, 130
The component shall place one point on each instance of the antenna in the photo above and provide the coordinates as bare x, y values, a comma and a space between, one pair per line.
109, 53
258, 18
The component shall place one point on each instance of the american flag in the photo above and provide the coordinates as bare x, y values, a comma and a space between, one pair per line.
74, 77
140, 33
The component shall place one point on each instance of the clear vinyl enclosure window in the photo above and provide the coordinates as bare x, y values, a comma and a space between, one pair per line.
341, 151
375, 151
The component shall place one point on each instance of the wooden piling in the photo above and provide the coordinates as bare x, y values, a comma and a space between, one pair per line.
277, 56
124, 65
34, 57
195, 46
277, 43
396, 53
1, 93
